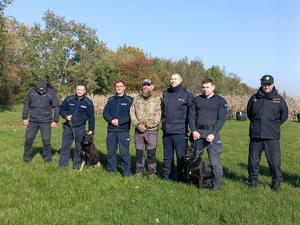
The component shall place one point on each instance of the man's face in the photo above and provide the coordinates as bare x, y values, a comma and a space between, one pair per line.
147, 89
175, 80
267, 87
208, 89
41, 92
120, 88
80, 90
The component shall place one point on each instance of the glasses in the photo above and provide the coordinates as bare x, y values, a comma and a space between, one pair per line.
146, 84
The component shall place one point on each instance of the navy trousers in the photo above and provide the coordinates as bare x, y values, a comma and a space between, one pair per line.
273, 155
67, 140
214, 149
113, 141
171, 143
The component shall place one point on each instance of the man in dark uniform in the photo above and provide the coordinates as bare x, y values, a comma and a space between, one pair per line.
266, 110
207, 116
40, 103
76, 109
116, 113
175, 105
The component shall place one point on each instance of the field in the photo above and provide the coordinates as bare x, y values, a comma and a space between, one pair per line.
38, 193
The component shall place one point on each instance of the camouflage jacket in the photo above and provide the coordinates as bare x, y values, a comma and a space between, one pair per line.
146, 111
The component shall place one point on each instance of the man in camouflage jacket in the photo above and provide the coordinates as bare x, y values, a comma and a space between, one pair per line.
145, 115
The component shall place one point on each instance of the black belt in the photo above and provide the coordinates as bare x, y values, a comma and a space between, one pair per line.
205, 127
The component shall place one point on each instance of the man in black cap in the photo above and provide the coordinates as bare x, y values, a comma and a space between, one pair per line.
266, 110
39, 105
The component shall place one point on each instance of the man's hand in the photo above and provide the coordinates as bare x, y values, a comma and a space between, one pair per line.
68, 117
115, 122
196, 135
141, 127
53, 124
90, 132
25, 123
210, 137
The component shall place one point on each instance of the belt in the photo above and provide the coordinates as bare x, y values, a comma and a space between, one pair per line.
205, 127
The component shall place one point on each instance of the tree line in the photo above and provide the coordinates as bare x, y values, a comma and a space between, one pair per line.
65, 53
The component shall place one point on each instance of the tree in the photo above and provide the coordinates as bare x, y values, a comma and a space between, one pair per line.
133, 66
3, 38
65, 54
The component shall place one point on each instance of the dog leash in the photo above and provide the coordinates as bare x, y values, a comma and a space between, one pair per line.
72, 128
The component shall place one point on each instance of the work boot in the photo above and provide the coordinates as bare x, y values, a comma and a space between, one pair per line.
275, 186
139, 175
252, 185
151, 176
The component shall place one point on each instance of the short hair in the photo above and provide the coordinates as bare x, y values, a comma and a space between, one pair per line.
81, 84
207, 80
177, 73
119, 81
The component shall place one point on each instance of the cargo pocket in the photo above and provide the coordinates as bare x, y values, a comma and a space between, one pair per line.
218, 146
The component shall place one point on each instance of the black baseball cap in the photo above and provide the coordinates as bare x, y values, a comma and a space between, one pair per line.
147, 81
41, 85
267, 79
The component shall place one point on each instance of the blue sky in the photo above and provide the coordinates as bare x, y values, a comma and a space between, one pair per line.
249, 38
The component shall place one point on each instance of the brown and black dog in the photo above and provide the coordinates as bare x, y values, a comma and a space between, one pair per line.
89, 153
199, 173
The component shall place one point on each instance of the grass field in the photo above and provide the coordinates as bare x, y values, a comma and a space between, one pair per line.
38, 193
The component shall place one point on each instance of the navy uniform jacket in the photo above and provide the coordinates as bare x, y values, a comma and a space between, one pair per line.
40, 106
80, 109
208, 112
266, 113
118, 108
175, 108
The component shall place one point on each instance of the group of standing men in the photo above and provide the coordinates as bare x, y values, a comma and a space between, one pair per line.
178, 111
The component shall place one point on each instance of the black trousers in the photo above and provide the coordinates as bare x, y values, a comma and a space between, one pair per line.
273, 155
31, 131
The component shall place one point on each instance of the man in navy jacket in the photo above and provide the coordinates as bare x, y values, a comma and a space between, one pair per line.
77, 109
267, 111
116, 113
175, 106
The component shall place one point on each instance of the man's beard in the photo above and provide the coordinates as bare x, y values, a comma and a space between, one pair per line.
146, 93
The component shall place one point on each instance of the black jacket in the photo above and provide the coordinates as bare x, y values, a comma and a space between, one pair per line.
175, 107
266, 113
118, 108
40, 106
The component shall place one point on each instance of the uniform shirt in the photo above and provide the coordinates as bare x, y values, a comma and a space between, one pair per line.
40, 106
80, 109
175, 107
208, 112
118, 107
266, 113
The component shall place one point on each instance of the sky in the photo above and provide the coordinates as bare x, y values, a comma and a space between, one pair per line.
249, 38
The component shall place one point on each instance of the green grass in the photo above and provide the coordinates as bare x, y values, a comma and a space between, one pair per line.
39, 193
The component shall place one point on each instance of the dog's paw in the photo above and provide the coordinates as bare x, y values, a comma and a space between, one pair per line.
98, 164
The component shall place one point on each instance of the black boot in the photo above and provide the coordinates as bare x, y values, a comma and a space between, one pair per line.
252, 185
275, 185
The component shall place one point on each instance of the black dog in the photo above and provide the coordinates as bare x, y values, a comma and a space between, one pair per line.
199, 173
89, 153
